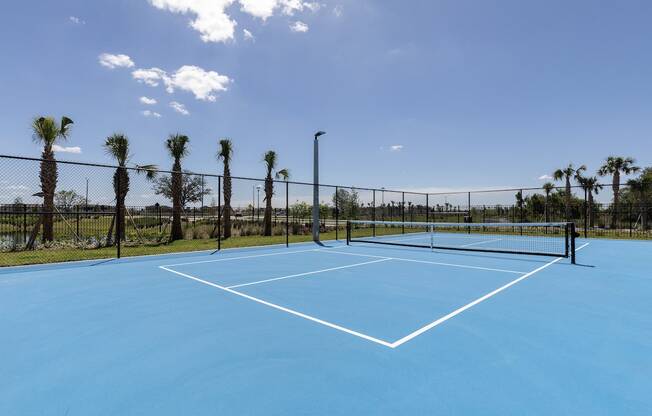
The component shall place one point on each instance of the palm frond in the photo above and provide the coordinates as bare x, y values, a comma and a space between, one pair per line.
283, 173
117, 146
226, 150
177, 145
150, 170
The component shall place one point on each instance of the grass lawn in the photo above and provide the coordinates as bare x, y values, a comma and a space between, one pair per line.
71, 254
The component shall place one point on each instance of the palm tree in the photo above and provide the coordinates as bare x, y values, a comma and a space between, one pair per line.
567, 174
547, 188
640, 187
225, 154
47, 131
270, 164
591, 186
614, 166
117, 146
177, 146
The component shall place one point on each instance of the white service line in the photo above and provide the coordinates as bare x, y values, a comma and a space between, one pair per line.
475, 302
281, 308
281, 253
481, 242
462, 266
308, 273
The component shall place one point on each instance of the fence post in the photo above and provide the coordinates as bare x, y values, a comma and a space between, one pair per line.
219, 213
287, 214
24, 223
630, 219
337, 213
427, 209
586, 214
403, 212
77, 222
373, 212
117, 220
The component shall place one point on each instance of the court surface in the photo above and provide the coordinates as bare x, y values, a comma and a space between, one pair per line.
331, 330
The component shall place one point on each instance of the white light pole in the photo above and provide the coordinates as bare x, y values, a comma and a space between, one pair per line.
258, 210
315, 188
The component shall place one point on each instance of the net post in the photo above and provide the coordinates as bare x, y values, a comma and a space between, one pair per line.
572, 242
348, 232
219, 213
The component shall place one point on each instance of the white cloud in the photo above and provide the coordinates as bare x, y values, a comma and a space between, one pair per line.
313, 7
62, 149
337, 10
211, 20
248, 35
396, 148
545, 177
151, 77
203, 84
149, 113
76, 20
179, 108
147, 101
115, 61
299, 27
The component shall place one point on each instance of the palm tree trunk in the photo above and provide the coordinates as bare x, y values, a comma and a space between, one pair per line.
227, 200
34, 233
568, 199
48, 176
615, 185
591, 221
269, 192
109, 234
177, 184
121, 187
643, 209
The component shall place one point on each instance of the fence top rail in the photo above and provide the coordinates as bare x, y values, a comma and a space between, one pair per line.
213, 175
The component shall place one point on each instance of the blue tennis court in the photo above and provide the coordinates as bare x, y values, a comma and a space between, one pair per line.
331, 330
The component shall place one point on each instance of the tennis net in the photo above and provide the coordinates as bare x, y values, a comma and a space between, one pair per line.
541, 239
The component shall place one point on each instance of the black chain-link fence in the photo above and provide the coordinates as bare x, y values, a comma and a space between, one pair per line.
83, 211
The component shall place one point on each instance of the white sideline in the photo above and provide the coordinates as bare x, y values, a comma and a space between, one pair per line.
281, 308
308, 273
475, 302
280, 253
462, 266
481, 242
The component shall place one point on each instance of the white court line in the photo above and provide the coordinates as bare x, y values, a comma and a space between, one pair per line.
475, 302
281, 308
281, 253
309, 273
481, 242
462, 266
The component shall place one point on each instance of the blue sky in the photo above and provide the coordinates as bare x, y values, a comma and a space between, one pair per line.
421, 94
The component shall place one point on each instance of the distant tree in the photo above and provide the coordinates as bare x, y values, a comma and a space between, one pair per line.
547, 188
47, 131
192, 188
300, 210
567, 174
641, 188
117, 147
67, 199
348, 203
592, 187
177, 146
615, 166
225, 154
270, 160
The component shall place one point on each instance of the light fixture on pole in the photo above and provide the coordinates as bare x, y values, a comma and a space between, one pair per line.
258, 210
315, 189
